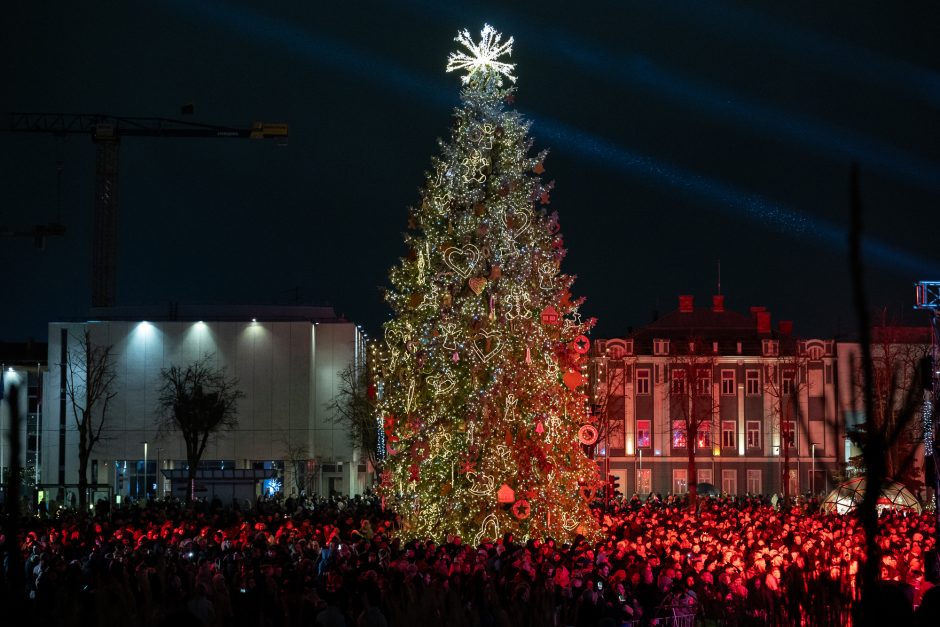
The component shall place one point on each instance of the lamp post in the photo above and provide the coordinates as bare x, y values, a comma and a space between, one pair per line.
145, 470
159, 478
813, 481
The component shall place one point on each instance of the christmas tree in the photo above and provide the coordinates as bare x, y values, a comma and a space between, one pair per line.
482, 374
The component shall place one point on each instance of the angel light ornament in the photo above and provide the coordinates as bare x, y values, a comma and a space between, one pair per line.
483, 56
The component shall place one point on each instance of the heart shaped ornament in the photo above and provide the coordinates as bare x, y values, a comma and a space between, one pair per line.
462, 260
477, 284
487, 344
516, 224
573, 379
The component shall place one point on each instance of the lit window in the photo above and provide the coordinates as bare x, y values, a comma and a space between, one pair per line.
753, 434
678, 434
703, 438
643, 433
680, 480
727, 382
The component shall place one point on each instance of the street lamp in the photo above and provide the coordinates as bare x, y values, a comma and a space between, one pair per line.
813, 481
145, 471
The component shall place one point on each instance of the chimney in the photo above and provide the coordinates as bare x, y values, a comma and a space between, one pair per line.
763, 322
718, 303
755, 310
686, 304
786, 327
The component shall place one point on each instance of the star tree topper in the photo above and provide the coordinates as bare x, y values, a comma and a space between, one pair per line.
483, 56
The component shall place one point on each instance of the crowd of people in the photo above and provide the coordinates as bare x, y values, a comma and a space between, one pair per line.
338, 562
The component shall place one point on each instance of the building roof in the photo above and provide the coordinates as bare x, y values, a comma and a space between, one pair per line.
217, 313
713, 324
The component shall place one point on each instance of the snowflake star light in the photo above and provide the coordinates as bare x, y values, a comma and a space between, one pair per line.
483, 56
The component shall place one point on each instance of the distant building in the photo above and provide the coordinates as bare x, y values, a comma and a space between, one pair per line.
897, 353
21, 365
287, 361
769, 398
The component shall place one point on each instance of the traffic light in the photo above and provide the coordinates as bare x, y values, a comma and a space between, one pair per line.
613, 486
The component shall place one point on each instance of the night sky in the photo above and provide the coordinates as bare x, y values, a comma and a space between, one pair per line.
681, 134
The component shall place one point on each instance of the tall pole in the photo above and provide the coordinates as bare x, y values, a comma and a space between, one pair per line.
159, 477
145, 470
38, 423
3, 370
813, 482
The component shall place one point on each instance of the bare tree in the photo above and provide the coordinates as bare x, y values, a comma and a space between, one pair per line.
879, 438
692, 404
89, 387
784, 383
298, 456
608, 398
197, 400
354, 407
896, 359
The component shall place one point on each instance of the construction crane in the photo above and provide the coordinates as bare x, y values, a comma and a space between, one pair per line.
39, 232
106, 131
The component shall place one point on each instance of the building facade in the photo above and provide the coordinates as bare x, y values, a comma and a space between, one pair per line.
897, 355
756, 405
288, 363
21, 367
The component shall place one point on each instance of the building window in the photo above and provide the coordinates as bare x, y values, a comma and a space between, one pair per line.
703, 382
752, 382
729, 481
678, 381
642, 380
727, 434
771, 374
628, 347
643, 433
680, 481
753, 434
704, 475
828, 374
660, 347
786, 382
727, 382
644, 480
703, 439
678, 434
788, 433
754, 482
771, 348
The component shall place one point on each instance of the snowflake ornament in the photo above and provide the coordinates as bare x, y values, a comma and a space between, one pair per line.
483, 56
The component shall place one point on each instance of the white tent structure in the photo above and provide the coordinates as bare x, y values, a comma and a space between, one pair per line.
849, 494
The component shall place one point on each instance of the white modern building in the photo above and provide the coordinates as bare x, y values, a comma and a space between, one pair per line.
287, 361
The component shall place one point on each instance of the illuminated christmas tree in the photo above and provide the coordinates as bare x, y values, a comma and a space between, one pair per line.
482, 372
